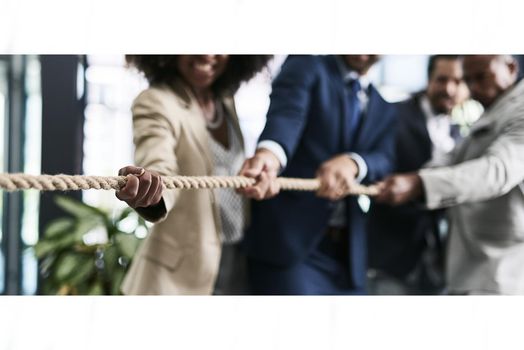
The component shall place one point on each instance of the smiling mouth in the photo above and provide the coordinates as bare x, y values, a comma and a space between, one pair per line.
206, 68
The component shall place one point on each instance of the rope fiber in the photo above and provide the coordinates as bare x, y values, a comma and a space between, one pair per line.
61, 182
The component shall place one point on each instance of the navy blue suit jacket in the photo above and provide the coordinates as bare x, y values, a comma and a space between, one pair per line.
398, 235
307, 117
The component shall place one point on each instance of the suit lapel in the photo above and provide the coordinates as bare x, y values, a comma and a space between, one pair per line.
231, 113
483, 124
370, 123
343, 119
490, 119
340, 88
418, 122
194, 121
197, 127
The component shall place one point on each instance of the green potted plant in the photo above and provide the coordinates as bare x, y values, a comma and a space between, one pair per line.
72, 264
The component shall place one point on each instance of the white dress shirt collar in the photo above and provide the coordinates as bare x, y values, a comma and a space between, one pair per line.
349, 74
439, 130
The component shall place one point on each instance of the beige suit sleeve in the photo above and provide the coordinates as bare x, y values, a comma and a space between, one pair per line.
155, 139
492, 175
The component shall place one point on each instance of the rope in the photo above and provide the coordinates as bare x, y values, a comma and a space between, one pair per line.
61, 182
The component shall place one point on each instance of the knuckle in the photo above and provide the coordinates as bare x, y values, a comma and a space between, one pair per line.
123, 171
133, 193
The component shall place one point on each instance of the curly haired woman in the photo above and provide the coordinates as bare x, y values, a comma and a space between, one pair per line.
185, 124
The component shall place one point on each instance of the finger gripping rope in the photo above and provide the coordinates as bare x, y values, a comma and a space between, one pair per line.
61, 182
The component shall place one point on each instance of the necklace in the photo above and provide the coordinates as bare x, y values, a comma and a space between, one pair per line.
219, 117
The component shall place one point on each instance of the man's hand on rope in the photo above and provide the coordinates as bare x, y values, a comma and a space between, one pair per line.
337, 176
143, 188
263, 167
400, 189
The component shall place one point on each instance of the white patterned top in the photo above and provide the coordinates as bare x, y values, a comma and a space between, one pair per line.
228, 162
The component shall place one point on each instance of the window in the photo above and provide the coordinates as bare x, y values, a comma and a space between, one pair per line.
32, 156
108, 142
20, 115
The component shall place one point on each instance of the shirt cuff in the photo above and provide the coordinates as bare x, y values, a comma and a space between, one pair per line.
276, 149
362, 166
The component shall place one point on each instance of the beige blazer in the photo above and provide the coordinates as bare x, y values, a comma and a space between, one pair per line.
485, 189
182, 251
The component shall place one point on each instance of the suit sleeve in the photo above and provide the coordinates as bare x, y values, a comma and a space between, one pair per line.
381, 160
492, 175
290, 98
155, 140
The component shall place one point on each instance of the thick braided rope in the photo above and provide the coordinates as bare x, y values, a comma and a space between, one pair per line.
61, 182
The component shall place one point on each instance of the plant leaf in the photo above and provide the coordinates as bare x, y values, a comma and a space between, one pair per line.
83, 226
68, 265
47, 247
117, 279
69, 262
111, 256
96, 289
58, 227
47, 263
77, 208
124, 214
44, 248
84, 270
127, 244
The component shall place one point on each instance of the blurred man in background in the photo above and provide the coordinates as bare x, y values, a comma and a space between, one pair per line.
406, 242
483, 184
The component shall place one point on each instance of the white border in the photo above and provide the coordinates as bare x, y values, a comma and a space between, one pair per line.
261, 26
265, 323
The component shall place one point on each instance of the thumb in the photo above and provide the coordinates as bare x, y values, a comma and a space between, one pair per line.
131, 169
254, 167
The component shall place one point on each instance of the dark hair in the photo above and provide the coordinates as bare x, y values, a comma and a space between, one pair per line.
433, 61
160, 69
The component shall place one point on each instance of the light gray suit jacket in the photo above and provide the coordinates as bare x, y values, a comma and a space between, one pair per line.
484, 186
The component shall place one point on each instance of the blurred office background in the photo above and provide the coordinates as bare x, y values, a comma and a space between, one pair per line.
71, 114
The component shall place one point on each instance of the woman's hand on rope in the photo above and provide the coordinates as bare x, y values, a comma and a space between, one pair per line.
400, 189
263, 167
337, 176
143, 188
